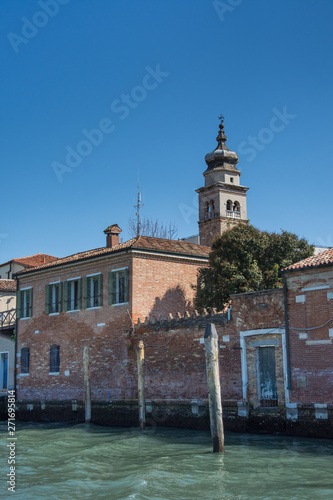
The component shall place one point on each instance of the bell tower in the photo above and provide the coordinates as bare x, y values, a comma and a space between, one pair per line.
222, 201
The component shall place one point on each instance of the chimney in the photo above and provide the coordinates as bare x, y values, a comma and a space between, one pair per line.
112, 235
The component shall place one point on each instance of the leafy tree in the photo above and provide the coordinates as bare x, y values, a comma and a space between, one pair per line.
245, 259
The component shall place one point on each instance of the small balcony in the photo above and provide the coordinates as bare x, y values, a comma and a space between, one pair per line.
7, 319
233, 214
208, 215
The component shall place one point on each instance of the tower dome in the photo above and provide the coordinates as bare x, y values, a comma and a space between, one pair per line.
222, 157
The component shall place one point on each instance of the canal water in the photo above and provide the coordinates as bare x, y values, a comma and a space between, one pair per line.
87, 461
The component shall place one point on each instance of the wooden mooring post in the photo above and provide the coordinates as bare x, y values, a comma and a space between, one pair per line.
141, 384
87, 392
214, 388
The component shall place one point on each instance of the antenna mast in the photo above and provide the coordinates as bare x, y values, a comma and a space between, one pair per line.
138, 206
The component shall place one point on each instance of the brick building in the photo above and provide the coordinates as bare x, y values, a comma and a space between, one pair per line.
93, 299
309, 306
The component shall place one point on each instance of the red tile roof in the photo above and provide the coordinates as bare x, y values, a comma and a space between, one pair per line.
140, 243
33, 260
322, 259
8, 285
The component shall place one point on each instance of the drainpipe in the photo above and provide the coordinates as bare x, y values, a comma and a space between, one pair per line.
285, 294
10, 270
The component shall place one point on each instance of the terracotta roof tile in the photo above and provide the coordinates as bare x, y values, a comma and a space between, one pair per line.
8, 285
33, 260
322, 259
141, 242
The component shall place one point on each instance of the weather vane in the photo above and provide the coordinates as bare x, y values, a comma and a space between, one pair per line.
221, 117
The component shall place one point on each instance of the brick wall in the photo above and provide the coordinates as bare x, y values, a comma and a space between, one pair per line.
72, 331
163, 285
310, 304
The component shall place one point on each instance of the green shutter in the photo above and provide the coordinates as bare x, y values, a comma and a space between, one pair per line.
79, 293
60, 297
114, 288
18, 304
66, 295
126, 286
111, 280
100, 290
47, 298
30, 302
85, 292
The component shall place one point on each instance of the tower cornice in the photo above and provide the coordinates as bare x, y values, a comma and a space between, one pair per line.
222, 185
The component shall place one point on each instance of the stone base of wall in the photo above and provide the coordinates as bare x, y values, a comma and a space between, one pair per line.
182, 414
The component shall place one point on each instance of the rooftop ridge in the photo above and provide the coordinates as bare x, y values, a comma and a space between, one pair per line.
147, 243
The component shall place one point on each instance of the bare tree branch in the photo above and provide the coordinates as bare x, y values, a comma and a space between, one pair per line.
154, 228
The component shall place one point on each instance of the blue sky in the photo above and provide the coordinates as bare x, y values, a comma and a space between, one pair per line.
153, 76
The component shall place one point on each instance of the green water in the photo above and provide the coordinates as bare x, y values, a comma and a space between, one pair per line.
87, 461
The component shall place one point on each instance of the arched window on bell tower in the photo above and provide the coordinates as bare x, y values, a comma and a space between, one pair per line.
229, 206
236, 210
212, 207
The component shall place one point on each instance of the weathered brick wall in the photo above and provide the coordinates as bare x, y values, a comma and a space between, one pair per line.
156, 286
177, 369
311, 351
253, 311
72, 331
163, 285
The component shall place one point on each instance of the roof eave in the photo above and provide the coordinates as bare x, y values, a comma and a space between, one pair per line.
108, 254
52, 266
326, 264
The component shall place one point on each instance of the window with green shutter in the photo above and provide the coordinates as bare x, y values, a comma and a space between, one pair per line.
53, 298
93, 291
118, 286
24, 303
73, 294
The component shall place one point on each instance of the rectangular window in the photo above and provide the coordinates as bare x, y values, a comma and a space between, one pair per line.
93, 291
25, 360
72, 294
24, 303
53, 298
118, 286
54, 359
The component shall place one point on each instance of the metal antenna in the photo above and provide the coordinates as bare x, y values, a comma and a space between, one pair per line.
138, 206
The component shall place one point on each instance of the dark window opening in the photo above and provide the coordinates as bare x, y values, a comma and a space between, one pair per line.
25, 360
54, 359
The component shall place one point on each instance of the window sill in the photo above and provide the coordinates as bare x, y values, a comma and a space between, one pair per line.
120, 304
54, 373
54, 314
73, 311
26, 317
95, 307
24, 374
